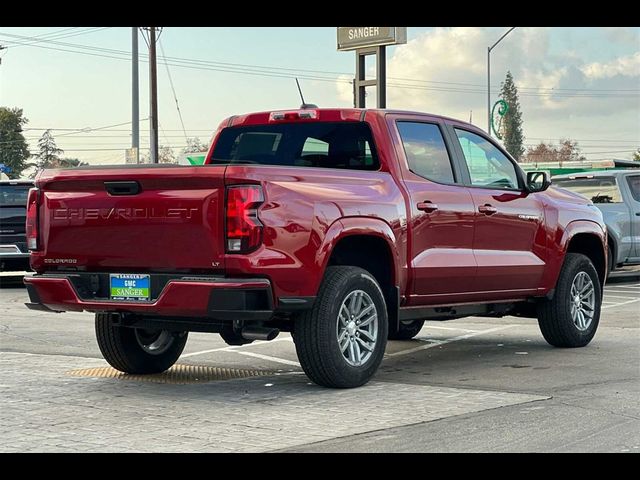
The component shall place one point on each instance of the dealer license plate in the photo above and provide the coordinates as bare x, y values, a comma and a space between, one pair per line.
134, 287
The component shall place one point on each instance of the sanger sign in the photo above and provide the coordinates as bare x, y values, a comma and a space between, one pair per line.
352, 38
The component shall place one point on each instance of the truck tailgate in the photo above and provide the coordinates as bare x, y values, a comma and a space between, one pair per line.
132, 219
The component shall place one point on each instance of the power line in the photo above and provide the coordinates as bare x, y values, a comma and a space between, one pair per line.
82, 130
49, 37
90, 129
280, 72
175, 97
295, 70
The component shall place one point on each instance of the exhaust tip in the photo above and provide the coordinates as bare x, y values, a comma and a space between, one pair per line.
260, 333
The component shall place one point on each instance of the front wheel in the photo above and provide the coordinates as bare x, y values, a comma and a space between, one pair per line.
571, 318
341, 341
138, 350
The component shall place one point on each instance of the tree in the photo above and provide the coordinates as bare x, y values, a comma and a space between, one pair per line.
567, 151
48, 153
194, 145
541, 153
165, 155
636, 155
513, 137
70, 163
14, 150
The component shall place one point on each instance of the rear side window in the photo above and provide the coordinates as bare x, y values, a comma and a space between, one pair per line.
597, 189
426, 151
14, 195
634, 186
310, 144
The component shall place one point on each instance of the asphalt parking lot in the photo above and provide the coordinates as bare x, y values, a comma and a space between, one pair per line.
467, 385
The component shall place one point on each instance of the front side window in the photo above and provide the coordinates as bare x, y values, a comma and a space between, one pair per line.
596, 189
488, 166
426, 151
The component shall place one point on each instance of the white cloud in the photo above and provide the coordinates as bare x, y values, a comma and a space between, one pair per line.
443, 71
625, 66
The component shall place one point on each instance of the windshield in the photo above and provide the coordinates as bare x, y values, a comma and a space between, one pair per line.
14, 195
311, 144
598, 190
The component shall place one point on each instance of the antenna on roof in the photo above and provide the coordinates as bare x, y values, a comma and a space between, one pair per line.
304, 104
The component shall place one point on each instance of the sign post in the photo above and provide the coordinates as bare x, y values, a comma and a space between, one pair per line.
131, 155
370, 41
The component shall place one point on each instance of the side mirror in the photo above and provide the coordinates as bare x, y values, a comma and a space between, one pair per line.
537, 182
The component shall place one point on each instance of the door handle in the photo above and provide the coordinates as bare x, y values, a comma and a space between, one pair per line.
427, 206
122, 188
487, 209
637, 214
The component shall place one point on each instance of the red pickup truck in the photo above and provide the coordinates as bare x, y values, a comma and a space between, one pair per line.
344, 227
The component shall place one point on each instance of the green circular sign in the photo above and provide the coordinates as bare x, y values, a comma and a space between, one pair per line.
503, 108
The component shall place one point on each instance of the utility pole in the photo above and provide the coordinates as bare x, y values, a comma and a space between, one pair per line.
2, 47
153, 83
135, 98
489, 78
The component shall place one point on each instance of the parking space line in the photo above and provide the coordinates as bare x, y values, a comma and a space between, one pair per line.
451, 328
267, 357
623, 303
231, 348
606, 295
436, 343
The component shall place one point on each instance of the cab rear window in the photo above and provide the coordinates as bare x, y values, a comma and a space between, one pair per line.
596, 189
14, 195
313, 144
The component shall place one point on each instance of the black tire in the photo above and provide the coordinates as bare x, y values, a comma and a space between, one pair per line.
407, 330
121, 347
554, 316
316, 330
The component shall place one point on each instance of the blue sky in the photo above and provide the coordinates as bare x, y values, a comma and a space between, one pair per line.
582, 83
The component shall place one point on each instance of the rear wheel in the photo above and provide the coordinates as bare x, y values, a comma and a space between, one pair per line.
341, 341
407, 330
571, 318
138, 350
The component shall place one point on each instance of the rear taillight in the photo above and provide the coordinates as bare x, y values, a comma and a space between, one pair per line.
244, 230
32, 219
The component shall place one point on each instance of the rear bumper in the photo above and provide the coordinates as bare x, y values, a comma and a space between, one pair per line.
217, 298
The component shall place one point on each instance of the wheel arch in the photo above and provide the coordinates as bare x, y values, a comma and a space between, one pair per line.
370, 244
592, 244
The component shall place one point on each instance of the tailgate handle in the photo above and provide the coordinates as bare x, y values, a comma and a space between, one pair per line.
123, 188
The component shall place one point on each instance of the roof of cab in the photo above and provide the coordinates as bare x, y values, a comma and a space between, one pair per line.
341, 114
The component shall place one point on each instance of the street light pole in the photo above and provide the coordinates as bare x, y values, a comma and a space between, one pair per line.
489, 78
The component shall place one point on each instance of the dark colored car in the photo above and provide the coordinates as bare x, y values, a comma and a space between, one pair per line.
344, 227
14, 254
